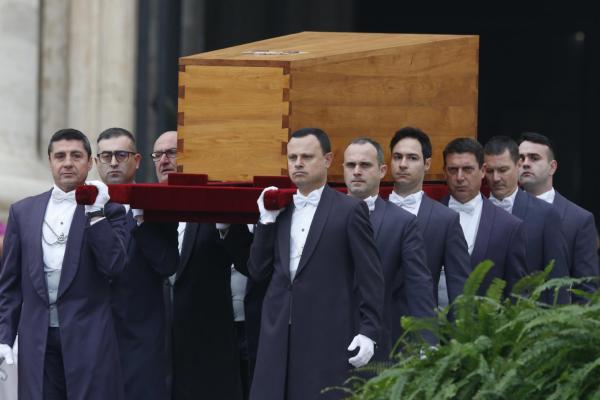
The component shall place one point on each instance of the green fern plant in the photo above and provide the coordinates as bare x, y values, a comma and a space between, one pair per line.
492, 347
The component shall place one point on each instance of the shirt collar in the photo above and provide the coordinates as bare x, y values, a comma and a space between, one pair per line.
506, 203
548, 196
313, 197
475, 201
371, 202
58, 196
470, 207
410, 202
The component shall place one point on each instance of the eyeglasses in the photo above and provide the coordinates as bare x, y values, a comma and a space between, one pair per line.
170, 153
120, 155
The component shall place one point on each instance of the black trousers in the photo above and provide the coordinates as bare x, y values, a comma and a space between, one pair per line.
55, 387
243, 352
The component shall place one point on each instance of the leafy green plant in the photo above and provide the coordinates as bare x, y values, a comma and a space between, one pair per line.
492, 347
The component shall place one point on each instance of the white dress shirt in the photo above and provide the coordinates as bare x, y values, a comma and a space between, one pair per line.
371, 203
548, 196
238, 292
506, 203
238, 289
410, 203
58, 218
55, 233
470, 214
180, 235
301, 220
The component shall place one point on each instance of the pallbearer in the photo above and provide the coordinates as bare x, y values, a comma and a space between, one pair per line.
445, 245
408, 283
545, 243
137, 294
491, 233
57, 264
536, 174
325, 298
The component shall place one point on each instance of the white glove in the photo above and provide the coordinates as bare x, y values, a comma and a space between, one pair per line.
6, 353
267, 216
16, 349
101, 199
365, 352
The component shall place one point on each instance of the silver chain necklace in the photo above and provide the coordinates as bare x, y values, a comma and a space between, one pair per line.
60, 239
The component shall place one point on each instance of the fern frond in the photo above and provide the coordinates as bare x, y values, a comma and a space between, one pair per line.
477, 276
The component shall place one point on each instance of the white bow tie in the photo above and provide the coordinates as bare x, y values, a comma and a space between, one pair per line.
467, 208
505, 203
405, 202
60, 196
301, 201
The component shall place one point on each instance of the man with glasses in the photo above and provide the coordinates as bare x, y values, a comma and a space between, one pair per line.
204, 346
164, 155
137, 300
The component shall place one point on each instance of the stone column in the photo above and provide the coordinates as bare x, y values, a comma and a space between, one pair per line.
22, 171
102, 65
54, 70
65, 63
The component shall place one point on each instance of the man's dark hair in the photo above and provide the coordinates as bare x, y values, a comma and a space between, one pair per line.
316, 132
497, 145
414, 133
378, 148
538, 138
70, 134
116, 132
465, 145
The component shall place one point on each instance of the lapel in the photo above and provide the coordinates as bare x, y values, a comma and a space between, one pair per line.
424, 213
445, 200
35, 221
377, 215
519, 209
73, 250
284, 230
484, 230
189, 239
316, 226
561, 205
130, 225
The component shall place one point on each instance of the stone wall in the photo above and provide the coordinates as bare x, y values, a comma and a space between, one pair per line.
65, 63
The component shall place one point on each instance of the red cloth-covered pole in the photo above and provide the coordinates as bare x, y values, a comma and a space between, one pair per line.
192, 198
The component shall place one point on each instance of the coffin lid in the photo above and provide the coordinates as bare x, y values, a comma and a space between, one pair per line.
311, 48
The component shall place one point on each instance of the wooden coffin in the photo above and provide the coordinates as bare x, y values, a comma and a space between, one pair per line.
237, 106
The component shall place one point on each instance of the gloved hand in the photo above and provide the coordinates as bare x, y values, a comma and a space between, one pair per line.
267, 216
101, 199
138, 215
6, 353
16, 349
365, 352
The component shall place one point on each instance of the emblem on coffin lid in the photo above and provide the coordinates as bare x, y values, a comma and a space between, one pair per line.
274, 52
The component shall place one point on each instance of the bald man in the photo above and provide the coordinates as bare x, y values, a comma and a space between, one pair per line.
204, 347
